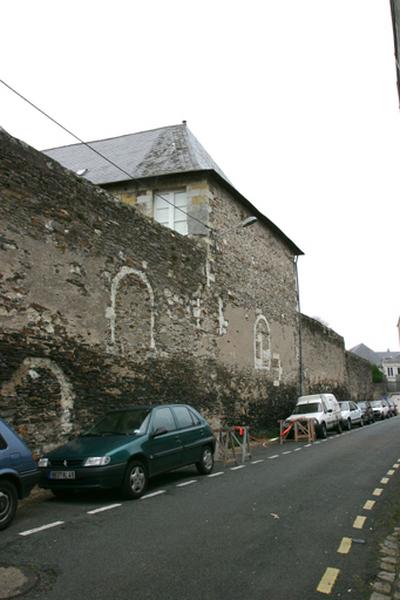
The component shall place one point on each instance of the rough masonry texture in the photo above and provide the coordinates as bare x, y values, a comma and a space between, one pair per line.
100, 306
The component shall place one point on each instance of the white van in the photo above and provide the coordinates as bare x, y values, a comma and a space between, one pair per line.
323, 408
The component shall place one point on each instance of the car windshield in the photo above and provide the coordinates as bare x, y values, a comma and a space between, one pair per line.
376, 403
344, 405
122, 422
311, 407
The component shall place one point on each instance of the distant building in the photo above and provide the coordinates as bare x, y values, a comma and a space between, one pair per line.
388, 362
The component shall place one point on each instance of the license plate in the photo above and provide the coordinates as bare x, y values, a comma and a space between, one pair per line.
62, 475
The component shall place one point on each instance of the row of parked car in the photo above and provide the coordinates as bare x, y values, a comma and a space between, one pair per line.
129, 446
330, 415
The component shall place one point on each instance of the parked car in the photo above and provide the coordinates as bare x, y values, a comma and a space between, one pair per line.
367, 412
322, 408
129, 446
351, 414
380, 408
18, 472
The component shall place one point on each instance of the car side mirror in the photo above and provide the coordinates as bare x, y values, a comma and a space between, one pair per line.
329, 410
159, 431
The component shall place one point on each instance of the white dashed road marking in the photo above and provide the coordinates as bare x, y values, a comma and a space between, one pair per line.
255, 462
42, 528
186, 483
238, 467
287, 452
273, 456
103, 508
153, 494
216, 474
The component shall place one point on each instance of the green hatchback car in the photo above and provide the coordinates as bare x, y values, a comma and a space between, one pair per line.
127, 447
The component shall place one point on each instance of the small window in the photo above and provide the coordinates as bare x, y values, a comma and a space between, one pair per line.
164, 419
183, 417
3, 443
170, 209
390, 371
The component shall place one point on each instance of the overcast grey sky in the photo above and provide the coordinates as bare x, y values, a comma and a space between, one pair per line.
295, 100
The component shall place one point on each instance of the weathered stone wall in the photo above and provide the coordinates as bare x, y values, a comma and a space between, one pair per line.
328, 367
254, 269
100, 306
359, 377
249, 274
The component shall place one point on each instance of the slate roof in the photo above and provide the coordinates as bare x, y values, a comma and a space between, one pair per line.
373, 357
162, 151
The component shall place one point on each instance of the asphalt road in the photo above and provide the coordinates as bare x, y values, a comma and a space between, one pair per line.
267, 531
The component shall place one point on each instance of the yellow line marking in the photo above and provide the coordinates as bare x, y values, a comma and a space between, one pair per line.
359, 522
345, 545
396, 465
377, 492
369, 505
390, 472
384, 480
328, 580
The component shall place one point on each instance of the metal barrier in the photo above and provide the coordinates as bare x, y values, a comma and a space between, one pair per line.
233, 442
302, 430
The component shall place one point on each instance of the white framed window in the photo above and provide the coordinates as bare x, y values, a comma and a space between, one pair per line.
170, 210
262, 344
390, 371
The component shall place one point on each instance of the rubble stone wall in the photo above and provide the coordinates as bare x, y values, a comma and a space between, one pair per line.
100, 306
328, 367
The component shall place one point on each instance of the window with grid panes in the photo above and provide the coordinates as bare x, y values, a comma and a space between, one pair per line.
170, 210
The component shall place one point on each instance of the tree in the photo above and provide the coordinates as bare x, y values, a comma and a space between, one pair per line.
377, 375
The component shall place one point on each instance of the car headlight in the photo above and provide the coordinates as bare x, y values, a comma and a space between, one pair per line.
96, 461
43, 462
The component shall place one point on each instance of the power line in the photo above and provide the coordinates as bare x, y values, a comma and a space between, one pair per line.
97, 152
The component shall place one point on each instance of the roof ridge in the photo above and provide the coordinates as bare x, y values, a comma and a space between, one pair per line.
113, 137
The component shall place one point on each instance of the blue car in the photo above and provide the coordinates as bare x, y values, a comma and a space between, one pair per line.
18, 473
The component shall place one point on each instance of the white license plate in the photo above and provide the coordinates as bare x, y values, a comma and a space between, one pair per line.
62, 475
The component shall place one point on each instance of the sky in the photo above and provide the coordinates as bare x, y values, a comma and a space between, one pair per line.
296, 101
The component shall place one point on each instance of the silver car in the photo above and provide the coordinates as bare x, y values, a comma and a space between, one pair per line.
351, 414
380, 408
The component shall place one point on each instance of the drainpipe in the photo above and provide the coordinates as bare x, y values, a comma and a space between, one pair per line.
301, 375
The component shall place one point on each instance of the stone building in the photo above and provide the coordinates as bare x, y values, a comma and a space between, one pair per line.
101, 304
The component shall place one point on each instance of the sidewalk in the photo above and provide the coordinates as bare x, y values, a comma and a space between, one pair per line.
387, 583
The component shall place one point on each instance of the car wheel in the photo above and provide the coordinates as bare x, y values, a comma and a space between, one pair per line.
361, 422
135, 480
322, 431
348, 424
206, 462
8, 503
339, 427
